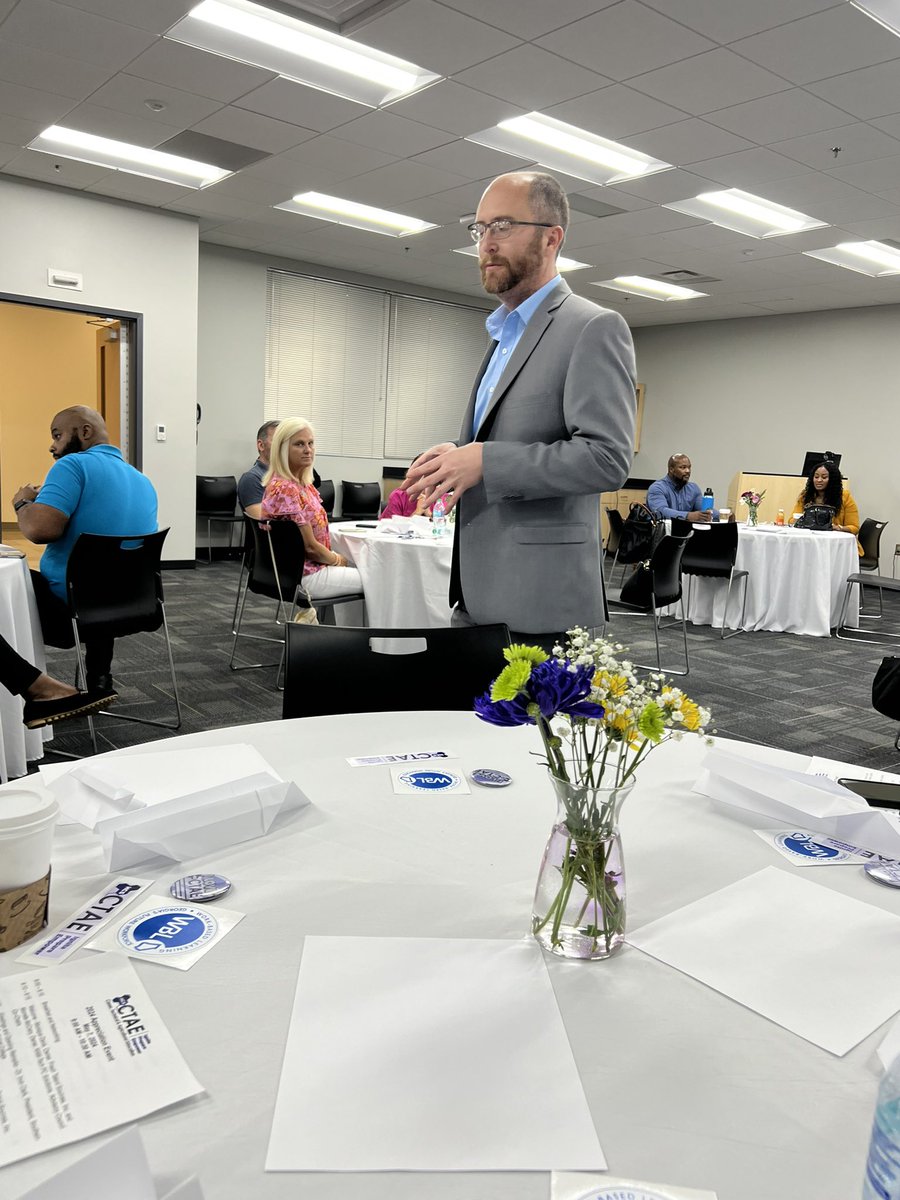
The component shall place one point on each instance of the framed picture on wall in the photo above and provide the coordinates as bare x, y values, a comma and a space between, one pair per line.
639, 421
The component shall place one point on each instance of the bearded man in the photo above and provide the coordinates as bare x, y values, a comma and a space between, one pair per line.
89, 489
549, 426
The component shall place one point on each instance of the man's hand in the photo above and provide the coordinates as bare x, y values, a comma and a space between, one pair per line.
445, 468
705, 516
28, 492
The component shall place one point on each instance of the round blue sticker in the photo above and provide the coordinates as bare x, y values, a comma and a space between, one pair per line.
170, 930
804, 846
488, 777
430, 781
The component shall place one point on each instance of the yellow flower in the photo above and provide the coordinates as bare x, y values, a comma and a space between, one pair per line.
691, 713
613, 686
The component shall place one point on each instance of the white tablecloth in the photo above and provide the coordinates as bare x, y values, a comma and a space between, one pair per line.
20, 626
684, 1085
406, 580
796, 584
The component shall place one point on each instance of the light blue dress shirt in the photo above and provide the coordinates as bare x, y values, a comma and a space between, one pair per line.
506, 329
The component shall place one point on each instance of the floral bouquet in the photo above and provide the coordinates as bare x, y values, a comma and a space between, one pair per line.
597, 722
753, 501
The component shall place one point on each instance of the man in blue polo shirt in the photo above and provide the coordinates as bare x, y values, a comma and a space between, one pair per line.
89, 489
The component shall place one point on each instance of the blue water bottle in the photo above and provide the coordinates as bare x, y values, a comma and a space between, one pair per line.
707, 501
882, 1181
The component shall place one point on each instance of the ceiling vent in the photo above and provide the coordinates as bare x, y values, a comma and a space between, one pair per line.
683, 275
593, 208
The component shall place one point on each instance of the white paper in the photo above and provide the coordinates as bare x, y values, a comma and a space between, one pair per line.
804, 848
451, 1057
168, 931
812, 960
425, 780
89, 1052
567, 1185
117, 1168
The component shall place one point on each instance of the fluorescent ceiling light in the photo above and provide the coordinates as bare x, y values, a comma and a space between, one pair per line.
358, 216
868, 258
745, 213
564, 264
567, 148
122, 156
264, 38
650, 289
885, 12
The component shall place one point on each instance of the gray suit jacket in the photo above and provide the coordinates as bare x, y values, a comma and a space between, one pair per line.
559, 431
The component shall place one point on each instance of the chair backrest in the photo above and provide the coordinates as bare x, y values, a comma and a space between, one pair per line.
665, 568
360, 499
614, 517
711, 551
326, 493
114, 584
278, 557
870, 539
334, 669
216, 495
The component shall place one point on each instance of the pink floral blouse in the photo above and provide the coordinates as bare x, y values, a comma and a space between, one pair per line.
300, 503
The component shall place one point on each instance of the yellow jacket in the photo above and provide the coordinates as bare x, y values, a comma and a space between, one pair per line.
847, 515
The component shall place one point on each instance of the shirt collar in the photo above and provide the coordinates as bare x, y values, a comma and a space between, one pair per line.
524, 312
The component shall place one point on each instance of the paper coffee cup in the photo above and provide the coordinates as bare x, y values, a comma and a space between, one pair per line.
27, 818
725, 512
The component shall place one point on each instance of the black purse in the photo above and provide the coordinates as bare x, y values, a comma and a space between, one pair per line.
816, 516
886, 688
641, 532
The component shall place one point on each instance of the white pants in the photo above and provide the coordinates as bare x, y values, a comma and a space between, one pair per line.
332, 581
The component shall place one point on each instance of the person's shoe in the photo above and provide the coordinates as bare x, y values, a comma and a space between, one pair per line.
45, 712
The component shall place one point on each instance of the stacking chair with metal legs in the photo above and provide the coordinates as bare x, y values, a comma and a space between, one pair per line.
216, 501
711, 554
666, 588
360, 501
860, 579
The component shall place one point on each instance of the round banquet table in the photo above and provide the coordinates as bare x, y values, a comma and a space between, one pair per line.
20, 626
406, 580
796, 584
684, 1085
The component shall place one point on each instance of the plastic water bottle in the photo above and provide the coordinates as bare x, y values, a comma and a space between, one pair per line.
708, 501
438, 518
882, 1181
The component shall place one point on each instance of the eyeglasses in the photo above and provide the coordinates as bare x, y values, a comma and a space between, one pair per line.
501, 228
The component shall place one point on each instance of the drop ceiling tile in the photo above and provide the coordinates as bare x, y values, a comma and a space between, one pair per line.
470, 160
63, 171
709, 81
139, 190
157, 17
53, 72
748, 169
19, 133
625, 40
725, 22
663, 188
29, 104
8, 152
253, 189
877, 228
616, 112
858, 143
879, 175
392, 133
197, 72
210, 203
340, 159
531, 77
253, 129
400, 181
816, 47
297, 104
528, 18
433, 36
775, 118
457, 109
122, 127
59, 29
129, 94
889, 124
688, 142
870, 92
292, 176
643, 223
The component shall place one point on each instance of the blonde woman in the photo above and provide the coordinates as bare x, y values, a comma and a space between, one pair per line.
291, 495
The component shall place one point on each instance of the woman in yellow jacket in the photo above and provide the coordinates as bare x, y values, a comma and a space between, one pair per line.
825, 486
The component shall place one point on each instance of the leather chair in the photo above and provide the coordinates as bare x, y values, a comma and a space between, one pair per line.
666, 586
360, 501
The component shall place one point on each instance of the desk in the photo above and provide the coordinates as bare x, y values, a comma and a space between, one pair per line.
406, 580
20, 626
684, 1084
796, 583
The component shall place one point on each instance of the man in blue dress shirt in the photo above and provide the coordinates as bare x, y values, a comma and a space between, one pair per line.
676, 496
89, 489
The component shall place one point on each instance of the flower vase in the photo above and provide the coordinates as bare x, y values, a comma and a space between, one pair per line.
579, 901
752, 515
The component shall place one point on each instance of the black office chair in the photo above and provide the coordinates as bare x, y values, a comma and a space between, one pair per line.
360, 501
665, 569
860, 579
870, 539
114, 589
326, 495
625, 555
868, 575
275, 570
614, 521
216, 501
711, 553
337, 670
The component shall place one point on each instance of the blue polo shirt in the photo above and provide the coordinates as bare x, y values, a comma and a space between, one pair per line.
100, 493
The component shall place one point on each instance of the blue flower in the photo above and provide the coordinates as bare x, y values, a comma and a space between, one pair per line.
552, 687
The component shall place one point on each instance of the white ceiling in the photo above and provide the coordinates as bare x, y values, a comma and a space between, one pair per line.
737, 93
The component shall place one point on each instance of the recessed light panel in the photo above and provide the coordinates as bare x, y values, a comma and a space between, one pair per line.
567, 148
357, 216
745, 213
650, 289
885, 12
563, 264
295, 50
868, 258
122, 156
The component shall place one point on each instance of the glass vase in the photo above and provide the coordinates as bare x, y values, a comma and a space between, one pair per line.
752, 515
579, 901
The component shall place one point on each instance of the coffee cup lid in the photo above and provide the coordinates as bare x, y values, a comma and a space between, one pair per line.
25, 806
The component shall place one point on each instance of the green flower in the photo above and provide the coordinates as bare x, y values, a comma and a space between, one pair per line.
652, 722
511, 680
528, 654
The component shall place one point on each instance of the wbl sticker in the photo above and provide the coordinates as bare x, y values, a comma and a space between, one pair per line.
169, 930
806, 847
431, 781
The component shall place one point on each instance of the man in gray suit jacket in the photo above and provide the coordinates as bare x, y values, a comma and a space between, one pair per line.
549, 426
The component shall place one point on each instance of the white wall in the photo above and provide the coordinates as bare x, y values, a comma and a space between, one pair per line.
135, 260
756, 394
